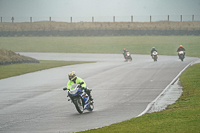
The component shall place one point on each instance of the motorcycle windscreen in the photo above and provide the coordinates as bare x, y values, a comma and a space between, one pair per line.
73, 89
181, 52
154, 53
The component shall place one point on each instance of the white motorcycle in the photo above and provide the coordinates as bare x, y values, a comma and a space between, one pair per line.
155, 55
127, 56
181, 55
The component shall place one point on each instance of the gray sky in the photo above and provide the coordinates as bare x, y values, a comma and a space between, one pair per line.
83, 10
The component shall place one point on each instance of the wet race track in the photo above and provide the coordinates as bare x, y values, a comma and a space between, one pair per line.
35, 102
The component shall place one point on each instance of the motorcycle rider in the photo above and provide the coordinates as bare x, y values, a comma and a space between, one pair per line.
124, 52
73, 79
180, 49
153, 49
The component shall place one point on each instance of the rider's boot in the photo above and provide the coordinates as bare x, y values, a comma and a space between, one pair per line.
89, 94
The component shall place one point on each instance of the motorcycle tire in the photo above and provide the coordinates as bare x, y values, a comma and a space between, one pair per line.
155, 59
91, 107
79, 105
181, 57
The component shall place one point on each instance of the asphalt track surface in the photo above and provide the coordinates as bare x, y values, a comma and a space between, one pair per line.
35, 102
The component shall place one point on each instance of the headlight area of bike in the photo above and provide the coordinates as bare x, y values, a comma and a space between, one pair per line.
181, 52
155, 53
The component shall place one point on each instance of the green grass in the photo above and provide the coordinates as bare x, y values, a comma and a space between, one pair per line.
166, 45
18, 69
180, 117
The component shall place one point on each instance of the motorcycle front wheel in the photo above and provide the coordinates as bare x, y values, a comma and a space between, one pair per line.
181, 57
155, 58
79, 105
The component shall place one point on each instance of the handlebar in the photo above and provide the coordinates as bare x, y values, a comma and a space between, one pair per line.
81, 83
65, 89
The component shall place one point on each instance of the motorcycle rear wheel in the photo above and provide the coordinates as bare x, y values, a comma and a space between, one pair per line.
91, 107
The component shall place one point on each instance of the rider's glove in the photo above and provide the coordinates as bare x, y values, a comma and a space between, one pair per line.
83, 88
64, 88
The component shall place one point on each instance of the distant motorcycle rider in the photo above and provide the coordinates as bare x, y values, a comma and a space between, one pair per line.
181, 49
124, 52
153, 49
73, 79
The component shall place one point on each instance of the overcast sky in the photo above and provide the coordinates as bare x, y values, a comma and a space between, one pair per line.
81, 9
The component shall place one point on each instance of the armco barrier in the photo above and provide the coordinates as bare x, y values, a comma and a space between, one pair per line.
100, 33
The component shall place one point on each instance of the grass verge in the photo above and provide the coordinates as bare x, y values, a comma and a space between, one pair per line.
166, 45
18, 69
180, 117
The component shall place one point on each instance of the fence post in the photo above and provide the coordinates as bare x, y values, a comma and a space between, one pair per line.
113, 18
131, 18
192, 17
71, 19
168, 17
1, 19
181, 18
31, 19
50, 19
92, 19
150, 18
12, 19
